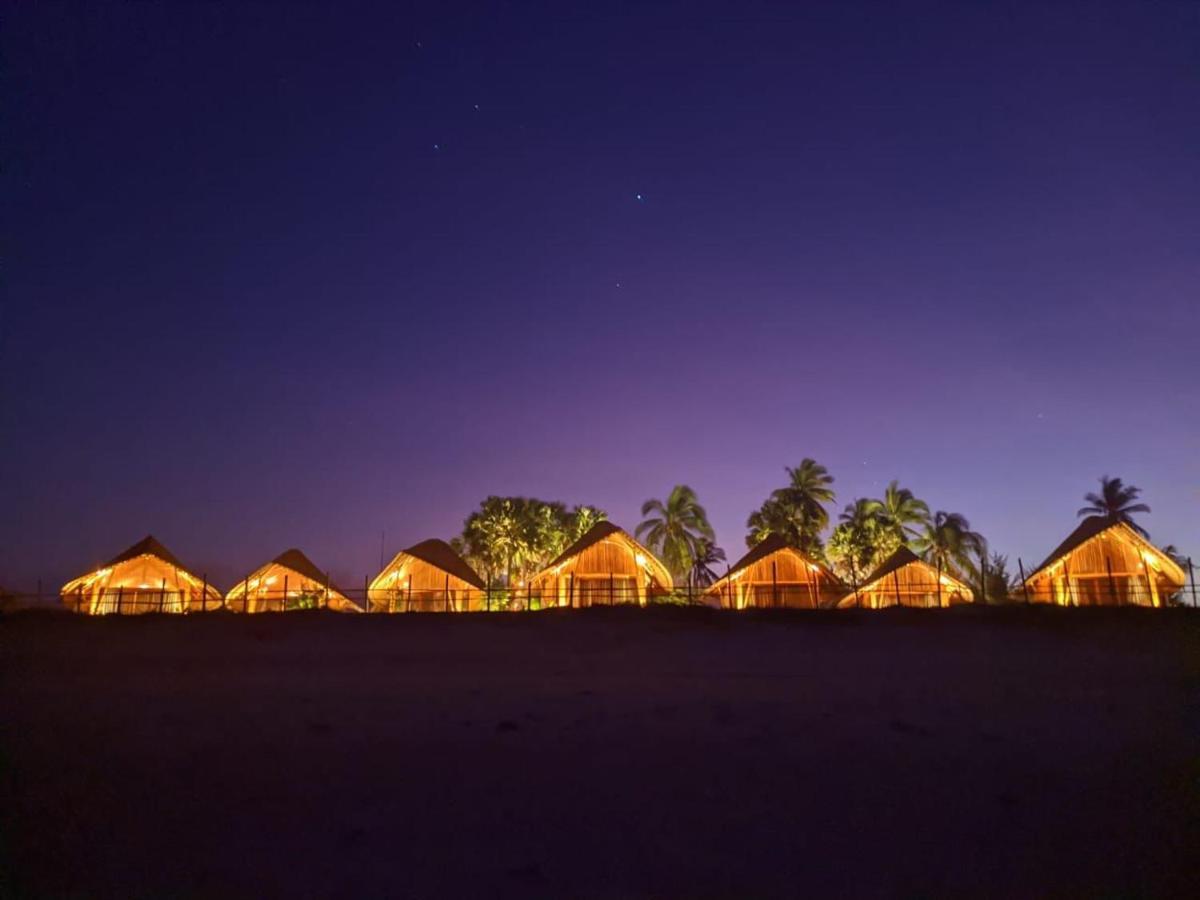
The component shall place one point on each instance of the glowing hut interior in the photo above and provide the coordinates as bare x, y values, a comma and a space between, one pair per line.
145, 578
604, 567
776, 575
1105, 563
290, 581
427, 577
905, 579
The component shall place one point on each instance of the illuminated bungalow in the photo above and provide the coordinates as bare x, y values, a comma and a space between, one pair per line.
1105, 563
427, 577
606, 566
776, 575
907, 580
289, 581
145, 578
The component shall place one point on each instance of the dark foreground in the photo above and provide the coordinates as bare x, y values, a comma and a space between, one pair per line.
612, 753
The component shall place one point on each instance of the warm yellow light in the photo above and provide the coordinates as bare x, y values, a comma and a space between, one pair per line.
641, 560
142, 587
272, 580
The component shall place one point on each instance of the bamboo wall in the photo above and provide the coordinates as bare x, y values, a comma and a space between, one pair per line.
143, 584
409, 584
1083, 577
276, 588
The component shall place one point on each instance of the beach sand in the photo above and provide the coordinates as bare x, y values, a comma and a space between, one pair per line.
601, 753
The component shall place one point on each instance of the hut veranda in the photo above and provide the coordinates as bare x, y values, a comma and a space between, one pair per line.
288, 582
904, 579
776, 575
606, 566
427, 577
145, 578
1105, 563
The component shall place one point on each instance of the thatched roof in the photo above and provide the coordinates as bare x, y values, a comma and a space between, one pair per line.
897, 561
296, 561
147, 546
905, 557
442, 556
766, 547
1092, 527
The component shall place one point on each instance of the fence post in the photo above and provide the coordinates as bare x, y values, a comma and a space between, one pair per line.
571, 590
1112, 582
203, 597
729, 586
446, 592
1067, 583
325, 599
612, 600
774, 586
1192, 578
1024, 583
162, 595
120, 597
283, 605
409, 600
528, 595
366, 593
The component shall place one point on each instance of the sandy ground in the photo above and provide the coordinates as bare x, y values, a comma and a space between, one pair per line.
606, 753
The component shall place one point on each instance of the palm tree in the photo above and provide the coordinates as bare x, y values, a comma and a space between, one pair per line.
675, 529
901, 513
708, 555
1117, 503
808, 490
948, 540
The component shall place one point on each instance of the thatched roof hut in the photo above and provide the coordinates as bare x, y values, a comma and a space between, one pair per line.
904, 579
427, 577
145, 578
1105, 563
289, 581
604, 567
776, 575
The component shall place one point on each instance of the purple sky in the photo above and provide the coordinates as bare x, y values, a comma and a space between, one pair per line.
284, 276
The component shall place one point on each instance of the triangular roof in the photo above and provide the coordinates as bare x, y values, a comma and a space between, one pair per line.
442, 556
296, 561
769, 545
149, 545
1092, 527
598, 533
905, 557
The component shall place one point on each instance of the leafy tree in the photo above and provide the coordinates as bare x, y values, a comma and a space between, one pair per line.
515, 536
676, 529
948, 539
999, 584
1116, 502
862, 540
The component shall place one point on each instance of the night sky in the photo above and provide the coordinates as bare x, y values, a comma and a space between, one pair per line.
291, 275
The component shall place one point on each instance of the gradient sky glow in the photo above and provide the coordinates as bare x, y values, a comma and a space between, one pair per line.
295, 274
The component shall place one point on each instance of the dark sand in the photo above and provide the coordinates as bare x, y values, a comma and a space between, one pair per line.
609, 753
